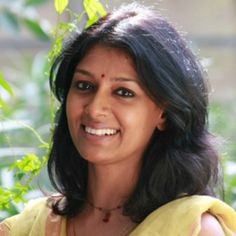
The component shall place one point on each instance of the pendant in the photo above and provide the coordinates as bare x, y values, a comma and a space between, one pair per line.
107, 217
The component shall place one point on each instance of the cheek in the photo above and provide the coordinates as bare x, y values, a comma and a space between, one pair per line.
69, 107
134, 119
128, 117
147, 120
73, 109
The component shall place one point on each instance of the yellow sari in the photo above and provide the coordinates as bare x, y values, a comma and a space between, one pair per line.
181, 217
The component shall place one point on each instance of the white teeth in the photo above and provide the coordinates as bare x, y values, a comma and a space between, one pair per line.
100, 132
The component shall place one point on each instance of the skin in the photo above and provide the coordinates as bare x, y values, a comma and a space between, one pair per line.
113, 99
105, 93
210, 226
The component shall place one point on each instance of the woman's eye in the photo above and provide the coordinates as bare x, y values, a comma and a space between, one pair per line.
83, 85
125, 93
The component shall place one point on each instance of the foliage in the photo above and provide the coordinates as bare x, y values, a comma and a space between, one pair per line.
5, 85
222, 124
94, 10
60, 5
15, 14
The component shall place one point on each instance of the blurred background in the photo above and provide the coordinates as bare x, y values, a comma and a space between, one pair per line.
26, 28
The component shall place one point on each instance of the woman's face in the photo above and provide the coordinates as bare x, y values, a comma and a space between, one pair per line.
110, 117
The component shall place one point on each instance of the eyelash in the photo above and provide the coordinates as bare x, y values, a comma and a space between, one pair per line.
124, 92
84, 86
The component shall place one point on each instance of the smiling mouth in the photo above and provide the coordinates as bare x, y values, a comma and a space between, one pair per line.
99, 132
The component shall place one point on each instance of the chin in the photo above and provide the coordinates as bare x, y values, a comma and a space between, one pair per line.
95, 158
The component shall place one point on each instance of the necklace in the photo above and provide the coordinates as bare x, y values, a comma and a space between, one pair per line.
107, 211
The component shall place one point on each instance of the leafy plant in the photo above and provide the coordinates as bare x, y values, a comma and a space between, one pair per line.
18, 14
222, 124
5, 86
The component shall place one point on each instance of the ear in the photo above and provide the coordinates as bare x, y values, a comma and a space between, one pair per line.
161, 121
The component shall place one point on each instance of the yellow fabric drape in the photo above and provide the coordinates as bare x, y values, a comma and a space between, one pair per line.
180, 217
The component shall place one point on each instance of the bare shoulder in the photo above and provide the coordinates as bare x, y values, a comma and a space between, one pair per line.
210, 226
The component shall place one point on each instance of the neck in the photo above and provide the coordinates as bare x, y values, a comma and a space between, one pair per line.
111, 185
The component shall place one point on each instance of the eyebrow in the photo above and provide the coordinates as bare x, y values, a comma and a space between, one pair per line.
84, 72
116, 79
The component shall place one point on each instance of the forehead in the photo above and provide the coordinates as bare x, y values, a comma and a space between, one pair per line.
102, 50
107, 59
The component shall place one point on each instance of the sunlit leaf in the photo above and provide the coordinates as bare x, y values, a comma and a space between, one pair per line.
91, 21
5, 85
94, 10
4, 107
60, 5
29, 163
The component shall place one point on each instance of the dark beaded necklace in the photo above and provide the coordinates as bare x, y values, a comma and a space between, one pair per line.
107, 212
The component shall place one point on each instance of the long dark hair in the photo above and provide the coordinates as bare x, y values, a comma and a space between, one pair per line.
179, 160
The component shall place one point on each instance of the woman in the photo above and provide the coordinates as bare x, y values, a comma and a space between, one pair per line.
131, 153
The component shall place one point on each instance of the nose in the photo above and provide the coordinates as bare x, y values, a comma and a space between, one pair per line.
98, 105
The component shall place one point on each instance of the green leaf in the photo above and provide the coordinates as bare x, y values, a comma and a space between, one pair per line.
5, 85
60, 5
29, 163
9, 21
19, 175
35, 27
94, 10
91, 21
34, 2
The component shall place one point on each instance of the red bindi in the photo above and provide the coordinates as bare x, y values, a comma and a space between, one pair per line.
102, 75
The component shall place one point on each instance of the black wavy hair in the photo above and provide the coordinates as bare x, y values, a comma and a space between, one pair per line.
178, 161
